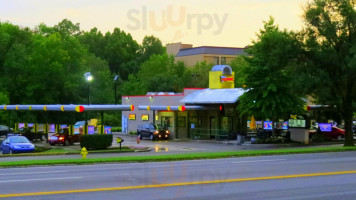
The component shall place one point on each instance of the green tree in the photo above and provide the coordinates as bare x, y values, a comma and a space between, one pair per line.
199, 75
329, 50
120, 48
270, 93
239, 65
150, 46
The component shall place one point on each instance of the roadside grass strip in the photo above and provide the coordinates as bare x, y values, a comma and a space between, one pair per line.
160, 158
59, 151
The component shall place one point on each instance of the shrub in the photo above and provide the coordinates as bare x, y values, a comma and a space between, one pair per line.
116, 129
96, 141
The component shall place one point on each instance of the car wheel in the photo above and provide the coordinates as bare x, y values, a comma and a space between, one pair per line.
152, 137
50, 143
11, 152
66, 143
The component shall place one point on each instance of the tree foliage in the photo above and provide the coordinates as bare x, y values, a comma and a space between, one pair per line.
268, 73
329, 49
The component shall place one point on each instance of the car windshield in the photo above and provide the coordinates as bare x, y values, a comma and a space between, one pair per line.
19, 140
158, 126
63, 131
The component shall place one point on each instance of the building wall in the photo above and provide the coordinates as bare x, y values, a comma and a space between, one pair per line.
192, 60
173, 49
161, 100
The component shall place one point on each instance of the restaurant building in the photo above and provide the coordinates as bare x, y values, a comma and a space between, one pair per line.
197, 113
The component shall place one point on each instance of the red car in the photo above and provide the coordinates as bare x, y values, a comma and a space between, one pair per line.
335, 133
63, 137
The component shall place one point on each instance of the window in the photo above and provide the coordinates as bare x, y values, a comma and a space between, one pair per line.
223, 60
166, 121
132, 117
197, 121
216, 61
144, 117
226, 123
181, 121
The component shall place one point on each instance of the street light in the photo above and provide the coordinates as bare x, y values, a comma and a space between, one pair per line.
89, 78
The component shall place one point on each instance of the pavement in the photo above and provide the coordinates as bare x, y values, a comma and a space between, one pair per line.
283, 177
167, 147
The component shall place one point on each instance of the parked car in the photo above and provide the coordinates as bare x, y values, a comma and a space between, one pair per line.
63, 137
152, 131
30, 134
4, 130
335, 133
16, 144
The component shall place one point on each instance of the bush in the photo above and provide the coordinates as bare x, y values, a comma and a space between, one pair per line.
116, 129
96, 141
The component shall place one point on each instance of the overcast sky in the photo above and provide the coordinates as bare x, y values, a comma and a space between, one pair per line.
231, 23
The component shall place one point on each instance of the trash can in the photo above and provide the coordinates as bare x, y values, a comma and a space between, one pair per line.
240, 138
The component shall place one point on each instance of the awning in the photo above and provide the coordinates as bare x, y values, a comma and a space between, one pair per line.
213, 96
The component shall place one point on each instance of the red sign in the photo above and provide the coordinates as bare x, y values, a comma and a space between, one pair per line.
226, 79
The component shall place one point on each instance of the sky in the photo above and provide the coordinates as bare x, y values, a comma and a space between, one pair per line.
229, 23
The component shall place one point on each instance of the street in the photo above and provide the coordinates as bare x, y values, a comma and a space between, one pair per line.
269, 177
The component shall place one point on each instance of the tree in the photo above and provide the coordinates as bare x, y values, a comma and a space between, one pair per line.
119, 49
239, 65
150, 46
268, 73
329, 50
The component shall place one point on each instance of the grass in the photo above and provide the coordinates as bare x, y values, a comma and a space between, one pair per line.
42, 151
161, 158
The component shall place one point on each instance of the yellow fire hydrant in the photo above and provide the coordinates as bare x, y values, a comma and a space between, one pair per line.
84, 153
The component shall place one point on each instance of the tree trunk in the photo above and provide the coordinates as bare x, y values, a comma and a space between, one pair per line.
348, 132
348, 114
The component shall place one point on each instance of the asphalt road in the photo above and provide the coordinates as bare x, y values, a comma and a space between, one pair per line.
267, 177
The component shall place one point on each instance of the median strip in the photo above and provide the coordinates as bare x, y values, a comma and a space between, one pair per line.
177, 184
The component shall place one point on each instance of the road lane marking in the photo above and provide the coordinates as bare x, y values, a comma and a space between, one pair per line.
255, 161
51, 172
39, 179
177, 184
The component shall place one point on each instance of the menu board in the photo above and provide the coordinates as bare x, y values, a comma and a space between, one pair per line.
297, 123
63, 126
91, 130
267, 125
21, 125
76, 129
41, 128
107, 129
325, 127
51, 128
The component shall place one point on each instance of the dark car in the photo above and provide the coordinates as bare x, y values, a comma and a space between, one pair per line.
16, 144
63, 137
152, 131
4, 130
30, 134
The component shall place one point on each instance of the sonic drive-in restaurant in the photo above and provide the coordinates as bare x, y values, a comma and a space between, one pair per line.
197, 113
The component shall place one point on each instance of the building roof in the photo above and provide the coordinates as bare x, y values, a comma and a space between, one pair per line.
213, 96
211, 50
